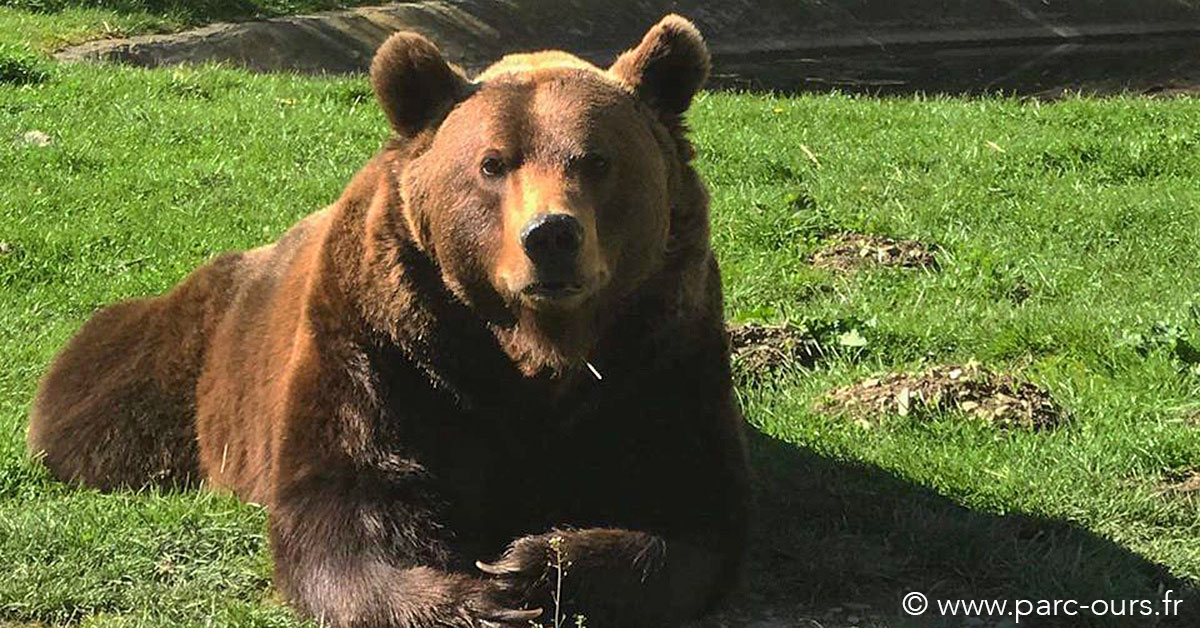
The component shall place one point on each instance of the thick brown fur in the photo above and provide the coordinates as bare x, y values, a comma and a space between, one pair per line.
381, 379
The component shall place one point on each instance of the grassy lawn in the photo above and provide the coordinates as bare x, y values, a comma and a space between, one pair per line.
1067, 236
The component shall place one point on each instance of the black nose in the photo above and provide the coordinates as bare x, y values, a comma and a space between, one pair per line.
552, 239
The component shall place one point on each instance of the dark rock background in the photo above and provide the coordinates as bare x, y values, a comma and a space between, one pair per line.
874, 46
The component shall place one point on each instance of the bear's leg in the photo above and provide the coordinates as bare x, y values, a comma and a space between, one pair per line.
351, 553
613, 577
115, 409
118, 406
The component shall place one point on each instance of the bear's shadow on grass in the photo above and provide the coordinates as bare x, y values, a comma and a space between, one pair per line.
830, 533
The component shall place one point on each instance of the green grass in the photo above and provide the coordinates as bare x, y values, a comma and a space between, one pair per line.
1090, 205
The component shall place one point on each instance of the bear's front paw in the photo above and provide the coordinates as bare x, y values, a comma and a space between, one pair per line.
492, 606
529, 564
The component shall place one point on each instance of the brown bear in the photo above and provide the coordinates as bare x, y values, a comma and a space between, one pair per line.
497, 361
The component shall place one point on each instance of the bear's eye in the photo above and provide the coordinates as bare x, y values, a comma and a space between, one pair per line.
492, 166
592, 165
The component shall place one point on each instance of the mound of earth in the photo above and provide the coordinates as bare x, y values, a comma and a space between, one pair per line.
758, 348
846, 252
997, 399
1186, 484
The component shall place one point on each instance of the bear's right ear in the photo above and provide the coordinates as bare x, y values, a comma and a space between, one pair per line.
414, 84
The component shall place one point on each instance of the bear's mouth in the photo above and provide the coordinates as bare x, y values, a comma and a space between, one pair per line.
552, 289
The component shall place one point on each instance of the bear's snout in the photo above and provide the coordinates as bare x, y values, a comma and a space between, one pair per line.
552, 242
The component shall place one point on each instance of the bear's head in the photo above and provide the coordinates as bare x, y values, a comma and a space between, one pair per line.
545, 189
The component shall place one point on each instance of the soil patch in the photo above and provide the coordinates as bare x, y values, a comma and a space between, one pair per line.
998, 399
1182, 484
757, 348
37, 139
847, 252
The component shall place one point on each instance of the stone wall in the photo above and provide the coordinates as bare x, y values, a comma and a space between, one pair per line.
474, 32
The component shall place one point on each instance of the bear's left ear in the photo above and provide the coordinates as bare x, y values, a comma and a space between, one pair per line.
668, 67
414, 84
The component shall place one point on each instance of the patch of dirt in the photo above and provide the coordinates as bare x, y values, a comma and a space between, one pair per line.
848, 252
1183, 484
38, 139
758, 347
997, 399
1020, 291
